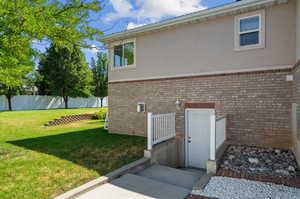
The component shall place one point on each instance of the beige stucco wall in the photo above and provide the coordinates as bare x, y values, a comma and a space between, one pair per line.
209, 47
298, 29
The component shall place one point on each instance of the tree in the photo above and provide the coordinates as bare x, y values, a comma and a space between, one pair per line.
13, 83
64, 72
100, 76
64, 23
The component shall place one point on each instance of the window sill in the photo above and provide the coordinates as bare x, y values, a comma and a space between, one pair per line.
130, 67
250, 47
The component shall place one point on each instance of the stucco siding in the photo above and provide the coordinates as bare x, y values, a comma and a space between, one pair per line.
209, 47
298, 29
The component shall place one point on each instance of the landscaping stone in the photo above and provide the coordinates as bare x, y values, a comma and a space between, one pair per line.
70, 118
253, 160
231, 188
260, 161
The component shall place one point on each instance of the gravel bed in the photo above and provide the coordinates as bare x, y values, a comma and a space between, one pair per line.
260, 161
231, 188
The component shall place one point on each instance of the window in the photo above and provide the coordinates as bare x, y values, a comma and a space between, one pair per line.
250, 31
124, 55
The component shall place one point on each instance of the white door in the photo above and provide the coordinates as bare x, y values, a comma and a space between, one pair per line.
198, 137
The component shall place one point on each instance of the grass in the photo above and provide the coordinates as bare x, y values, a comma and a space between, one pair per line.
42, 162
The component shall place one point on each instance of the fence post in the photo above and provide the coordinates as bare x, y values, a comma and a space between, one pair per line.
149, 131
213, 137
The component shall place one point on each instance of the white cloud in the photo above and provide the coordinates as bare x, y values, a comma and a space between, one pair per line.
132, 25
153, 10
157, 9
122, 9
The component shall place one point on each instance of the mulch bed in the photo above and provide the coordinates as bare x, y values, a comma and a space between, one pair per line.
70, 118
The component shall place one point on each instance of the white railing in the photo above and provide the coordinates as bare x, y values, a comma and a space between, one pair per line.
160, 128
217, 135
106, 121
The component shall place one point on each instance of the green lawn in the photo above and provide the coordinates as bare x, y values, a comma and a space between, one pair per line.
42, 162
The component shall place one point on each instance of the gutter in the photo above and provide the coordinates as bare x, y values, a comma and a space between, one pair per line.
204, 15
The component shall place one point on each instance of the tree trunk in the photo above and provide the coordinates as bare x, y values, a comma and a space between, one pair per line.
101, 100
9, 102
66, 99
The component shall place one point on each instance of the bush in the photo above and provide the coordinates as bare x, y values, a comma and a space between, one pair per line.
101, 114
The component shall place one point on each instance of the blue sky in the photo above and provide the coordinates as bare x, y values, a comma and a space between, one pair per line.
120, 15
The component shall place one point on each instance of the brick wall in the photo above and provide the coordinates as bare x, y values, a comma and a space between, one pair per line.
258, 104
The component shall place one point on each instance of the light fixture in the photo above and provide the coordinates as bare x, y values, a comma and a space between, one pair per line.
178, 104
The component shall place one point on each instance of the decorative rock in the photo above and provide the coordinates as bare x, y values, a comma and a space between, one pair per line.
253, 160
283, 172
268, 161
260, 161
277, 151
231, 157
291, 168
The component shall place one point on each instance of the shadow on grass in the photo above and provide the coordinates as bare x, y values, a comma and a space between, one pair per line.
94, 148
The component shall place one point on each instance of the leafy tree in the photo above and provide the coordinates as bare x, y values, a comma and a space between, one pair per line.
12, 84
100, 76
64, 72
29, 86
64, 23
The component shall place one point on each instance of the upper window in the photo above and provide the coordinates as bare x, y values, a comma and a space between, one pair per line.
249, 31
124, 55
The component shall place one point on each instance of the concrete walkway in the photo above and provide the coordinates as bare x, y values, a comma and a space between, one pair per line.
153, 182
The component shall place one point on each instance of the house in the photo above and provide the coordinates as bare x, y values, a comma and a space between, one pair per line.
240, 60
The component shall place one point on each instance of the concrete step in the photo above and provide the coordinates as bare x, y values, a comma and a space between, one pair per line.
131, 186
177, 177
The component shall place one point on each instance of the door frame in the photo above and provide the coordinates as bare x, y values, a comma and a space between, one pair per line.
186, 153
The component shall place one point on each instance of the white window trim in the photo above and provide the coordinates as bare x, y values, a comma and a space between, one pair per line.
112, 56
261, 44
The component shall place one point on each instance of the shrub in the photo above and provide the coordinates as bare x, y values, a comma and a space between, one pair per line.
101, 114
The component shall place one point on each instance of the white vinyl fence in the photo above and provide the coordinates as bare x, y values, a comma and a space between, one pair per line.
34, 102
160, 128
220, 131
295, 119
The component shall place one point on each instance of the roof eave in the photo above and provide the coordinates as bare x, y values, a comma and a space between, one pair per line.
230, 9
